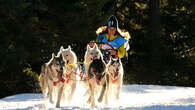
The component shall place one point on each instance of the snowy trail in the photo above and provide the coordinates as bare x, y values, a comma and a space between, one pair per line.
133, 97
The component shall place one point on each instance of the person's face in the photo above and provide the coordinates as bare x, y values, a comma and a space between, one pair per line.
111, 31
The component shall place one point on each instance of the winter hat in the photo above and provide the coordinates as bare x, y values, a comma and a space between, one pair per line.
113, 22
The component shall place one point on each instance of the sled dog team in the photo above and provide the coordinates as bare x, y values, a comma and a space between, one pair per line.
62, 71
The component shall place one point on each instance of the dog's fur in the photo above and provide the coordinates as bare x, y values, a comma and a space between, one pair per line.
98, 81
71, 71
52, 72
115, 70
91, 54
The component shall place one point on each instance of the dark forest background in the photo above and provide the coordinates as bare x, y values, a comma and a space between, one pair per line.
162, 44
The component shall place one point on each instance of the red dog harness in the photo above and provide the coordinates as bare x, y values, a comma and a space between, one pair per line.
66, 80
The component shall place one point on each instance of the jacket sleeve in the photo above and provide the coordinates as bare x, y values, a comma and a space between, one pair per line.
121, 51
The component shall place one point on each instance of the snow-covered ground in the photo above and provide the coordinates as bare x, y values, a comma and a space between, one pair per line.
133, 97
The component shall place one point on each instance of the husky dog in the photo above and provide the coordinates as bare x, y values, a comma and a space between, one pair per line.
51, 76
91, 54
98, 80
71, 71
115, 70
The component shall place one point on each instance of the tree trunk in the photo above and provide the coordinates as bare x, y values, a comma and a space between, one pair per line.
155, 54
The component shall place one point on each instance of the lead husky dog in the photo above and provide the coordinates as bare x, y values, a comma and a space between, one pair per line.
98, 81
115, 70
71, 71
98, 78
52, 76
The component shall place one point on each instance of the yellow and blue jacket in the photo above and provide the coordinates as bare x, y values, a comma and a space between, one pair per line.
116, 42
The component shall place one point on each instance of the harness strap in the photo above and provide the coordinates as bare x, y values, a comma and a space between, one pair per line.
67, 78
82, 63
71, 64
55, 82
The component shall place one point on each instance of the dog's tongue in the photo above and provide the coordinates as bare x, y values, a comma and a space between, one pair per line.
59, 73
97, 80
115, 74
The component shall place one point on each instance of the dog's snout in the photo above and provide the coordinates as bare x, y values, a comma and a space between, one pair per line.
61, 68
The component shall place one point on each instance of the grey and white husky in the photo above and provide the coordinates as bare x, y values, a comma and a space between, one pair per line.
51, 76
115, 71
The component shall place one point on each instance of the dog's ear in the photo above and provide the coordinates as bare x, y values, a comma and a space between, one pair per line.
69, 47
95, 46
119, 60
61, 48
53, 55
88, 47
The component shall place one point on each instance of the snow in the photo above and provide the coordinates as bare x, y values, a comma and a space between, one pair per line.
132, 97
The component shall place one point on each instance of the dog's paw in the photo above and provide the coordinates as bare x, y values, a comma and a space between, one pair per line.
89, 101
99, 100
57, 105
106, 103
52, 102
93, 104
117, 98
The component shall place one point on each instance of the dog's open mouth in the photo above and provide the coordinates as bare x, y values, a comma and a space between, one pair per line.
115, 75
59, 72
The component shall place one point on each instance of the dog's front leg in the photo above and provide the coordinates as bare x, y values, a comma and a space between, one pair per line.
119, 86
91, 87
51, 94
60, 91
107, 89
117, 91
89, 100
43, 85
72, 91
102, 92
45, 89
